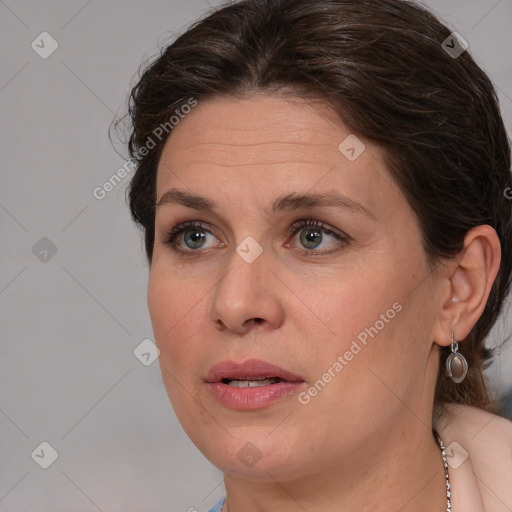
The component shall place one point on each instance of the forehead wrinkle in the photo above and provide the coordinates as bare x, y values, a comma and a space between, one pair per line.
268, 163
233, 155
261, 133
226, 146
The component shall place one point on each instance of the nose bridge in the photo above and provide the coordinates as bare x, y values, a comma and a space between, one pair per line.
239, 284
244, 292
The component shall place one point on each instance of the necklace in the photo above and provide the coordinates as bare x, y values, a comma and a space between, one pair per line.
445, 463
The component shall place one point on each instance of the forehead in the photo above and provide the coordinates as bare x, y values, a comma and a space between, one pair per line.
269, 145
260, 124
263, 111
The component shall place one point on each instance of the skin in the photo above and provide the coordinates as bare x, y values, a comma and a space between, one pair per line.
364, 442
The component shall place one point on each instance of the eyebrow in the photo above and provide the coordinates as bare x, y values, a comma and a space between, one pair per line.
287, 202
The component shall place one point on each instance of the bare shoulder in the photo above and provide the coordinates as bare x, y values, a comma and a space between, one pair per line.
475, 424
487, 439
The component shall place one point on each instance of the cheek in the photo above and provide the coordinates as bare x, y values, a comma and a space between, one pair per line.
173, 308
378, 325
161, 304
357, 298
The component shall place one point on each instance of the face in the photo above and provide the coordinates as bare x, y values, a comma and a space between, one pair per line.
273, 242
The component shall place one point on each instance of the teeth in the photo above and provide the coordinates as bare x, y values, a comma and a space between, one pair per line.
253, 383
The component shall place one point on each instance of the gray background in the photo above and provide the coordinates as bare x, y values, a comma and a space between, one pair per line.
70, 321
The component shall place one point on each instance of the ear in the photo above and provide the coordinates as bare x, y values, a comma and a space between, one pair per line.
469, 282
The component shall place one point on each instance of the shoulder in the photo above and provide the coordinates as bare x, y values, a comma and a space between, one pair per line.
486, 440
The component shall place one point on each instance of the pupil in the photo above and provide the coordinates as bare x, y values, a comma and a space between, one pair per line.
195, 238
310, 238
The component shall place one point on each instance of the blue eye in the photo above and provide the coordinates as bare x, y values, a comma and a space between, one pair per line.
189, 237
193, 234
311, 238
194, 239
312, 234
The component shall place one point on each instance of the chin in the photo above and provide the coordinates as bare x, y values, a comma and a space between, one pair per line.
253, 454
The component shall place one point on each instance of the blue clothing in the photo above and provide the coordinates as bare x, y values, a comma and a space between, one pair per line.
218, 505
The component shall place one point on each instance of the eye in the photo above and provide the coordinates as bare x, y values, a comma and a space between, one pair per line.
190, 236
314, 235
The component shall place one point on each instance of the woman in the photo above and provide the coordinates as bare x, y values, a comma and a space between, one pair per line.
321, 187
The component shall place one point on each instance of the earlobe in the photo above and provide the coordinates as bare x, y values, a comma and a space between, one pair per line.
470, 282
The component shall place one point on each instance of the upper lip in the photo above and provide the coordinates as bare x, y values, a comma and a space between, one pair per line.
248, 369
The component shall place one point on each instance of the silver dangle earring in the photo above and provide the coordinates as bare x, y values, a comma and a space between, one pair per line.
456, 364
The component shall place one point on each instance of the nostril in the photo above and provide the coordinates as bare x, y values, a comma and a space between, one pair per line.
247, 323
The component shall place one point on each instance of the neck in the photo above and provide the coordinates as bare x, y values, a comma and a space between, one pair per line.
401, 470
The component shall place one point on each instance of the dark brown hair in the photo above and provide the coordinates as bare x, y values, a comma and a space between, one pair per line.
383, 68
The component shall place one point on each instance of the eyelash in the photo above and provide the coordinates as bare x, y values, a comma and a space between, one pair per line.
170, 236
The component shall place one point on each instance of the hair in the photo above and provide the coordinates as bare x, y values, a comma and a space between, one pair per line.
382, 67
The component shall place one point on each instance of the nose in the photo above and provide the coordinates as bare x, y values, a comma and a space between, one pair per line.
247, 297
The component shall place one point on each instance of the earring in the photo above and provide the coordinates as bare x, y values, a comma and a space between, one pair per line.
456, 364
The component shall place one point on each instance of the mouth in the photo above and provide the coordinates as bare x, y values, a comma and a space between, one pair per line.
250, 373
252, 384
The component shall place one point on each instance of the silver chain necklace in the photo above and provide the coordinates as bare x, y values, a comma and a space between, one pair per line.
445, 463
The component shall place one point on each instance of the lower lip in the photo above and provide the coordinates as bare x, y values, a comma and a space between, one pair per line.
252, 398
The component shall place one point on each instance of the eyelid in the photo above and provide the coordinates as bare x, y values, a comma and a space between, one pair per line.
169, 236
320, 225
341, 237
